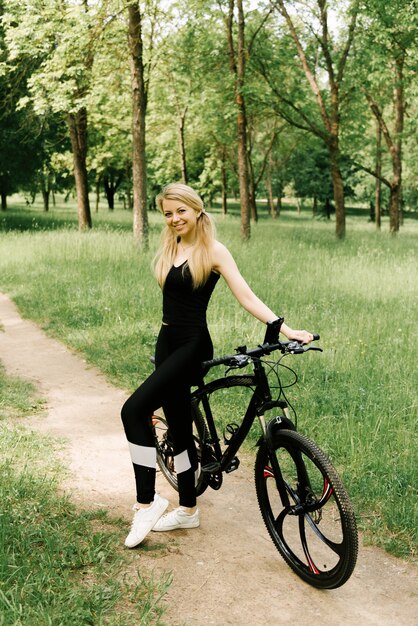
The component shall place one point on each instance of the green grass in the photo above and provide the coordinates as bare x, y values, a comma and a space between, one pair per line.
17, 397
358, 400
58, 565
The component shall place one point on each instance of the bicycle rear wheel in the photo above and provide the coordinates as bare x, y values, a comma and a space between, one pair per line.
315, 532
165, 452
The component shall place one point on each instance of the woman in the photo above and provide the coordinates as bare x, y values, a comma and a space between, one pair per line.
188, 266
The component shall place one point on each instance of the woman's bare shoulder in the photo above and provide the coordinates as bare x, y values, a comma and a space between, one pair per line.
219, 248
220, 256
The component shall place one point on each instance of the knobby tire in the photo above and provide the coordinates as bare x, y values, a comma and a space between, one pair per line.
316, 531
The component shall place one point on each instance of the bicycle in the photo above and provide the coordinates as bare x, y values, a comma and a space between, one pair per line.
304, 505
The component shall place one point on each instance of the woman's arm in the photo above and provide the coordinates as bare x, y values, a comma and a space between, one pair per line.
224, 264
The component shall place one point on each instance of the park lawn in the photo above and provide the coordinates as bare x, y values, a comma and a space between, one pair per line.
49, 572
95, 292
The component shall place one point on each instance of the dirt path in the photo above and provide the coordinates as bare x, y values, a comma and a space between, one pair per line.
228, 571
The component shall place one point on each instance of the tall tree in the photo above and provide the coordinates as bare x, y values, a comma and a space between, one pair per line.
61, 77
378, 187
385, 69
239, 51
19, 153
139, 108
177, 83
237, 61
77, 126
320, 54
19, 146
110, 140
143, 20
192, 114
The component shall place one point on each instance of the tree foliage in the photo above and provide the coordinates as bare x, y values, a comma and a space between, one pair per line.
235, 98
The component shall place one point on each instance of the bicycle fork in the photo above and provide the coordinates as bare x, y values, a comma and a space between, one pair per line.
269, 429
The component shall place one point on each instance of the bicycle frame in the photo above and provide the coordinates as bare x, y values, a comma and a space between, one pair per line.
260, 402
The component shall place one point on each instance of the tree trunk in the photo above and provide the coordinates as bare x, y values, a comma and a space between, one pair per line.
139, 106
338, 188
237, 67
97, 193
269, 185
3, 201
270, 200
77, 124
396, 148
111, 186
401, 207
182, 146
224, 186
279, 204
242, 128
45, 189
243, 171
252, 194
327, 208
110, 191
45, 197
394, 142
378, 189
330, 114
394, 203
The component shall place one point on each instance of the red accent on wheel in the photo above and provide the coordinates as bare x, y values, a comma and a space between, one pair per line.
268, 473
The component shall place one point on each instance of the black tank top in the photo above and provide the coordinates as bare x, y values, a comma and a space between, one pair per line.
183, 305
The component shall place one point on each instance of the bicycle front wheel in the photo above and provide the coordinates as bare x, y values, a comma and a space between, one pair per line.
315, 530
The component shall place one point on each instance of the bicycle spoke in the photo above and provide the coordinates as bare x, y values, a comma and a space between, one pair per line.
335, 547
279, 524
302, 533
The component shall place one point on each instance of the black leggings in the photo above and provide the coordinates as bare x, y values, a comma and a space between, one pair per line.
178, 354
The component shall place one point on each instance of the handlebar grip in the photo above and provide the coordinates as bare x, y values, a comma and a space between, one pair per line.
316, 337
213, 362
207, 364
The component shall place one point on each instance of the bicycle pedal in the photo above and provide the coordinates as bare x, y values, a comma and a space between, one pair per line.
211, 468
234, 465
214, 480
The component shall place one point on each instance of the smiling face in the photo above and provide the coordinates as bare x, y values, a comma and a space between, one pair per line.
180, 218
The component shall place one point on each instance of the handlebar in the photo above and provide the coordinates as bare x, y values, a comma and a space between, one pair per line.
243, 355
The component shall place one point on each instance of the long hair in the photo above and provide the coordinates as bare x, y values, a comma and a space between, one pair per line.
200, 259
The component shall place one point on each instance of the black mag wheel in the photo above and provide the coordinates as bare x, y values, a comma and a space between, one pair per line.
316, 531
165, 453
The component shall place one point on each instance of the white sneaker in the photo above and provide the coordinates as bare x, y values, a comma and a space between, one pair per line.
144, 520
177, 519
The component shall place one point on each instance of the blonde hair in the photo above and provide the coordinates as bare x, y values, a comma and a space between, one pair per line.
200, 259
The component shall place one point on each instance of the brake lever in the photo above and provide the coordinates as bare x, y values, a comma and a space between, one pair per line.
294, 347
240, 360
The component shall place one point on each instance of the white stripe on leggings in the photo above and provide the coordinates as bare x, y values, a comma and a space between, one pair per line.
182, 462
143, 455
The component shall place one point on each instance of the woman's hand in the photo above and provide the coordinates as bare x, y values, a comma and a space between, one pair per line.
302, 336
